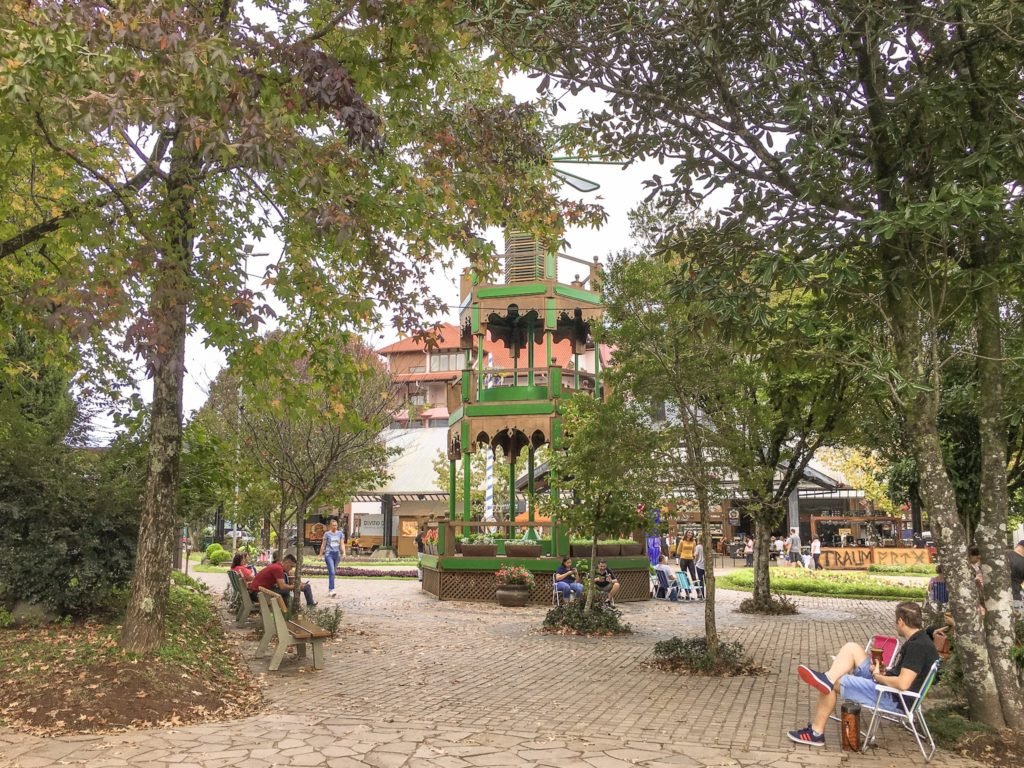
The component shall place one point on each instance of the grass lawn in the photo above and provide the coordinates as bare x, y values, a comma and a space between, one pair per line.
798, 581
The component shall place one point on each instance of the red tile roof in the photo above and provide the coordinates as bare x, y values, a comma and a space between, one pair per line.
447, 338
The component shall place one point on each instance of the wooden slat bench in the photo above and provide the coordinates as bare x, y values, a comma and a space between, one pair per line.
245, 604
300, 632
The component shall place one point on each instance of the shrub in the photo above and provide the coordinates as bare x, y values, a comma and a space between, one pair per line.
691, 655
326, 617
213, 548
572, 618
779, 605
219, 557
6, 619
187, 582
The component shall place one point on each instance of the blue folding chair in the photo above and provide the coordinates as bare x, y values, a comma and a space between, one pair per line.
663, 588
687, 586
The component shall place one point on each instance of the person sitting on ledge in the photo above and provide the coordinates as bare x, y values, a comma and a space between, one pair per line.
851, 675
605, 581
566, 580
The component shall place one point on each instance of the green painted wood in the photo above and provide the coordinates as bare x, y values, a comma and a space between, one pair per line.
474, 318
550, 322
510, 409
578, 294
532, 564
512, 394
454, 418
550, 266
508, 291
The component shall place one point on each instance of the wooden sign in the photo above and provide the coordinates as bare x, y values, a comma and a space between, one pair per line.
859, 558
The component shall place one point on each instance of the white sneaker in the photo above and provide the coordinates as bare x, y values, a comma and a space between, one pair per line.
332, 593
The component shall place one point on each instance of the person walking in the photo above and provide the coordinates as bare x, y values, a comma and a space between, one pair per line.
816, 554
748, 551
685, 552
332, 548
793, 543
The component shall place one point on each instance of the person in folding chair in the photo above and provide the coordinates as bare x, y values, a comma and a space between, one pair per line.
851, 675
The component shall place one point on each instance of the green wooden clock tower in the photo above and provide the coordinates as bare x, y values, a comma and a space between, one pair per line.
516, 406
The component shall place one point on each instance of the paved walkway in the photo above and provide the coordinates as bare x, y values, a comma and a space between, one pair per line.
414, 683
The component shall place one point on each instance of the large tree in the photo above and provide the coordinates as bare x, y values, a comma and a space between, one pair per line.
876, 148
745, 364
370, 138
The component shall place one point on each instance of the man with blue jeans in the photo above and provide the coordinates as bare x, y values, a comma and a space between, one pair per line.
331, 549
852, 675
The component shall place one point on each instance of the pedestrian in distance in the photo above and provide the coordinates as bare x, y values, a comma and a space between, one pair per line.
332, 549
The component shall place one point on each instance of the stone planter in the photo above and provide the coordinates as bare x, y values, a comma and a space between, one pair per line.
632, 550
479, 550
513, 595
522, 550
608, 550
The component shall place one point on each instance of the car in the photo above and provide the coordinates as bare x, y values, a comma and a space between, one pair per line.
240, 536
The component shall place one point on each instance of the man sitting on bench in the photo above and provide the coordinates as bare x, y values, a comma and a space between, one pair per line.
275, 578
605, 581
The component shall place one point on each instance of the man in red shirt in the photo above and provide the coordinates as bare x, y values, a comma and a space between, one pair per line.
275, 578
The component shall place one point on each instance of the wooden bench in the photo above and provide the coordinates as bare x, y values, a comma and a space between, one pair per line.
245, 604
299, 632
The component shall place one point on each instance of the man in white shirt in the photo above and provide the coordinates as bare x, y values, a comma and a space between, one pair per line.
816, 554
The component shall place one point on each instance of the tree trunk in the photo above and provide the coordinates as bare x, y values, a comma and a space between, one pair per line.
147, 600
917, 358
991, 536
300, 516
710, 624
591, 572
762, 545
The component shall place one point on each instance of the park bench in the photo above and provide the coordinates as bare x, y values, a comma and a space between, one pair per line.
298, 632
245, 604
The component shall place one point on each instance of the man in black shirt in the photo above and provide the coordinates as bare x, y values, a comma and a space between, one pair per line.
605, 581
1016, 558
852, 676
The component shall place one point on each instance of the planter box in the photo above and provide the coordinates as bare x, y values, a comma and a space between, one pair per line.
580, 550
479, 550
632, 550
430, 548
608, 550
523, 550
513, 595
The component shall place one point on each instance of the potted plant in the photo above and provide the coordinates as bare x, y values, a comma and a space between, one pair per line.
608, 548
479, 545
513, 586
580, 547
522, 548
631, 548
430, 541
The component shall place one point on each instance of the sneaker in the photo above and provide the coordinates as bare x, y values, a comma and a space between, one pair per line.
807, 736
332, 593
312, 605
815, 679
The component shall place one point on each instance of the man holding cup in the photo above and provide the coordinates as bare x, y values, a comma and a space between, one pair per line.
854, 673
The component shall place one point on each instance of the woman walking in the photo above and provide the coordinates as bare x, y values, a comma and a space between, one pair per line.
685, 552
748, 551
331, 550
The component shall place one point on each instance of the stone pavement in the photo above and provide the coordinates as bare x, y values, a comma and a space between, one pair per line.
414, 683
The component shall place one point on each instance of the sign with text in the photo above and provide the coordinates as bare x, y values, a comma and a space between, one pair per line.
859, 558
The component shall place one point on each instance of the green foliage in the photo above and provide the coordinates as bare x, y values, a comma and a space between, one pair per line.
513, 574
213, 549
606, 470
1017, 652
691, 655
6, 619
834, 584
918, 569
219, 557
573, 618
185, 581
949, 724
326, 617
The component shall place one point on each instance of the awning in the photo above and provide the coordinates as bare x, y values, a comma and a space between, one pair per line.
438, 412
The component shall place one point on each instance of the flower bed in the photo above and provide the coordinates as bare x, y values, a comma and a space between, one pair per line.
831, 584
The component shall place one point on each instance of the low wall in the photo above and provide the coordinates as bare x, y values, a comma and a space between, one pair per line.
458, 578
859, 558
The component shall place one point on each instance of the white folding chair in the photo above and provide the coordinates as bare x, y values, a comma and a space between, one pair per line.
911, 715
